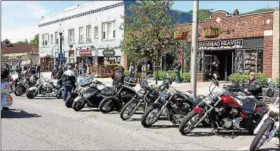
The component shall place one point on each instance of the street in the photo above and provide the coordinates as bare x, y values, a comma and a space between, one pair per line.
46, 124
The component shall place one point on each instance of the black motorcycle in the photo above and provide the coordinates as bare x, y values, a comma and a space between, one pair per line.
117, 96
88, 93
175, 103
23, 83
142, 99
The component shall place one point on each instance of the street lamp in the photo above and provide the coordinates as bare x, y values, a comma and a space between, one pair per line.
60, 42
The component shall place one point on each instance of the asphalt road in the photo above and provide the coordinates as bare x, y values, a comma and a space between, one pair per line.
46, 124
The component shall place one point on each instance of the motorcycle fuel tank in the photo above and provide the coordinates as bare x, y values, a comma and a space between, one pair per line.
89, 92
226, 99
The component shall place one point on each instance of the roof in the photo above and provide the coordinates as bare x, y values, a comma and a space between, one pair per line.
18, 48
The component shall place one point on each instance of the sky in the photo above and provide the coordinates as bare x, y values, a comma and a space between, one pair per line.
20, 19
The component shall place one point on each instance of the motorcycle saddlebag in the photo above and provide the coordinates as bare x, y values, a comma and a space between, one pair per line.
108, 91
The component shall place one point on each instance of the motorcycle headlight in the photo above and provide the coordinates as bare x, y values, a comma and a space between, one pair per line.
207, 100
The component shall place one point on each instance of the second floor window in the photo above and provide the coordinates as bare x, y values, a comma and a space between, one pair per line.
45, 39
88, 33
71, 36
96, 32
81, 34
51, 39
109, 30
56, 37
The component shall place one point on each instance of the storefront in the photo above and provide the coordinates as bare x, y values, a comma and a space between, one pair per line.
224, 57
47, 63
85, 56
234, 43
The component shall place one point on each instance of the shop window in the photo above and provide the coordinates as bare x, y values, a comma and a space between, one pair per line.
71, 36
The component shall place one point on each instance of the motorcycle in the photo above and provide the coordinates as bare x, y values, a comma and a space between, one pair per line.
269, 124
47, 88
6, 98
69, 101
175, 103
117, 96
23, 83
142, 99
226, 111
88, 93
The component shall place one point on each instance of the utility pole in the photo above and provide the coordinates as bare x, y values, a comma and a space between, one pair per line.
194, 47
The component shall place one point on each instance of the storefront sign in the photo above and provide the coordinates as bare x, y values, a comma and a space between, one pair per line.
220, 44
109, 52
85, 52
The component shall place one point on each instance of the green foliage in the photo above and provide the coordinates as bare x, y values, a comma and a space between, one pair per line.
126, 72
147, 31
278, 82
262, 79
260, 10
35, 41
20, 42
185, 77
203, 14
237, 78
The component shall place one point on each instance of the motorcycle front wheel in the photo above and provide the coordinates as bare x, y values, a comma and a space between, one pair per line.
150, 116
19, 90
262, 135
188, 123
31, 94
129, 109
107, 105
77, 106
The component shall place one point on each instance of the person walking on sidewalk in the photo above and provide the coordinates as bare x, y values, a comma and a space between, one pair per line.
177, 67
139, 72
131, 71
38, 70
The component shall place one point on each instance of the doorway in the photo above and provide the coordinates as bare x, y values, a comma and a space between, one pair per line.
223, 58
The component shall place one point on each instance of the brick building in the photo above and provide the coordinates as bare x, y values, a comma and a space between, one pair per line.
245, 42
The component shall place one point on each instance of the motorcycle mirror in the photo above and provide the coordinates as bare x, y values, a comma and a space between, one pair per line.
215, 76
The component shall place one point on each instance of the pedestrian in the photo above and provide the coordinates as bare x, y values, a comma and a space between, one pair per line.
60, 71
76, 69
131, 71
84, 68
177, 67
118, 75
38, 71
252, 86
68, 82
138, 72
53, 74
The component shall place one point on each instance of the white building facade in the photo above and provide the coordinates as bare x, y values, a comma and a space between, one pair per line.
87, 31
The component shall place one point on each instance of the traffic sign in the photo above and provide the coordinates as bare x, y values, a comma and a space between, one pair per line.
60, 56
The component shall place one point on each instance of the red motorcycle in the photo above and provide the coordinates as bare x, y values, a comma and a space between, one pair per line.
226, 111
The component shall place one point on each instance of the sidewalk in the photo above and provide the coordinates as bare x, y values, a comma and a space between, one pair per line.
202, 87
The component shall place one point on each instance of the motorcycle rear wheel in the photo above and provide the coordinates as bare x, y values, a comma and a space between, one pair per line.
146, 114
128, 110
107, 105
185, 123
261, 136
69, 102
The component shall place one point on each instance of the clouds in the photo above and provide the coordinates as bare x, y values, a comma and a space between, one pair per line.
20, 19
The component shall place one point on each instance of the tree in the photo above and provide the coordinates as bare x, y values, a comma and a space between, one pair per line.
203, 14
35, 41
19, 42
148, 31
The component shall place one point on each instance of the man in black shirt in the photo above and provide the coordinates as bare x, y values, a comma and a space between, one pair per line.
139, 72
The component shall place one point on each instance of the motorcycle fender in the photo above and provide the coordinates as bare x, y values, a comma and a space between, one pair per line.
33, 88
198, 110
79, 98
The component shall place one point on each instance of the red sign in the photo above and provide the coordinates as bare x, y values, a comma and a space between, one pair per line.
85, 52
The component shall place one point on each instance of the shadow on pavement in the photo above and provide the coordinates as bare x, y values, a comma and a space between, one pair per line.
200, 134
134, 119
89, 110
269, 149
17, 113
163, 126
220, 134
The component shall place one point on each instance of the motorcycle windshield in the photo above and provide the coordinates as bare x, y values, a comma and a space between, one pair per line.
85, 81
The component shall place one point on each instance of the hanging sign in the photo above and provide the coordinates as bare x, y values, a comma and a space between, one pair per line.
220, 44
109, 52
85, 52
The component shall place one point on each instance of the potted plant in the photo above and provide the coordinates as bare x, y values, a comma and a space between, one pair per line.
211, 32
180, 35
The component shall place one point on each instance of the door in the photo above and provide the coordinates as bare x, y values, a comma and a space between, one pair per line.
238, 61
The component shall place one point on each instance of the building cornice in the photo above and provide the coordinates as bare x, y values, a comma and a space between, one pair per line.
83, 14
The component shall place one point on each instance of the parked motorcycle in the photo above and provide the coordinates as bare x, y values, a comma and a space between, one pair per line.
47, 88
269, 124
23, 83
6, 98
117, 96
225, 111
88, 93
142, 99
74, 94
175, 103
